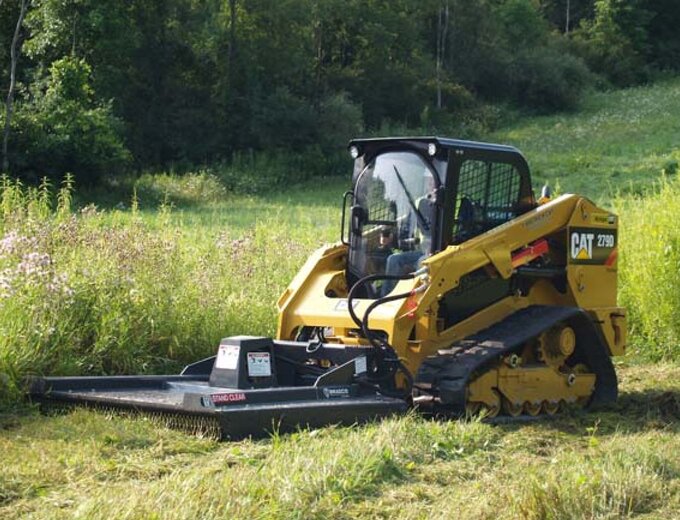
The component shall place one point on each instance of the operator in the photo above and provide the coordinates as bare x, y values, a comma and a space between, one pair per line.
386, 246
405, 262
385, 249
386, 242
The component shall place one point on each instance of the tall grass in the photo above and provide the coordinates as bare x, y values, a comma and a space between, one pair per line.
649, 272
103, 293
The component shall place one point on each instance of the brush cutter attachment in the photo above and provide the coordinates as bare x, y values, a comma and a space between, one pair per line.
251, 387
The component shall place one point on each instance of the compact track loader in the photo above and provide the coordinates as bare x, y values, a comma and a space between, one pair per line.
452, 290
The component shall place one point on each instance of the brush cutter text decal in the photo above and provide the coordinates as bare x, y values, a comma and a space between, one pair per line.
232, 397
337, 392
591, 245
227, 357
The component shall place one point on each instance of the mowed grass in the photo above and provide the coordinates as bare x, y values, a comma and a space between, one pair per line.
146, 289
617, 143
621, 463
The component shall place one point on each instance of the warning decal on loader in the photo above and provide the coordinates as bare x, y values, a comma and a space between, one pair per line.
259, 364
227, 357
593, 246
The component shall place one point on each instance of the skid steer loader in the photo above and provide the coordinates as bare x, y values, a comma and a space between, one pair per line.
452, 289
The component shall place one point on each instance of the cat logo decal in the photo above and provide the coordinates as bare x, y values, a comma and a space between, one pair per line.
582, 245
593, 246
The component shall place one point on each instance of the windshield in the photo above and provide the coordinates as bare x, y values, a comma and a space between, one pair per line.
396, 191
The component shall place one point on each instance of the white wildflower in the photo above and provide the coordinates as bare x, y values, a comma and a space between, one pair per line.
9, 242
34, 264
13, 243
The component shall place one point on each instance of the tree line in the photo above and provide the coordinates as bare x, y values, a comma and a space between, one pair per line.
97, 87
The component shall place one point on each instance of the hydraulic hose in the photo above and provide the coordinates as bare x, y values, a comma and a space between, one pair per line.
373, 278
364, 322
385, 352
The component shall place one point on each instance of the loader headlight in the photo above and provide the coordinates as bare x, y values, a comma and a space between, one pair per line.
432, 149
354, 152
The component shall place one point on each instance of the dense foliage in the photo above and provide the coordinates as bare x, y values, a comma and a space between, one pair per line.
104, 87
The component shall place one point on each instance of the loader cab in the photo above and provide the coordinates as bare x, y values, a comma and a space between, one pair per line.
413, 197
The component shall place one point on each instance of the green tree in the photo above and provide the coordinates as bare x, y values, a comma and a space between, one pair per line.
377, 52
616, 42
151, 58
663, 36
63, 129
566, 15
182, 82
15, 52
523, 24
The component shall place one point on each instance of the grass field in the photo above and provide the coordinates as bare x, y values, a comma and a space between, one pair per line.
617, 144
146, 289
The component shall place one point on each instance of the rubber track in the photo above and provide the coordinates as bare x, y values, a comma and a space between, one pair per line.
449, 372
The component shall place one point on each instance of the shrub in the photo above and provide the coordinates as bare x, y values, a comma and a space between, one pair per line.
283, 119
63, 130
339, 120
203, 186
546, 78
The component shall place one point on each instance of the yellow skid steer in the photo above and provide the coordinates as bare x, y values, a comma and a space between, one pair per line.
451, 289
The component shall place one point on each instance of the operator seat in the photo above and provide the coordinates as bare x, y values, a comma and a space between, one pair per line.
465, 220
